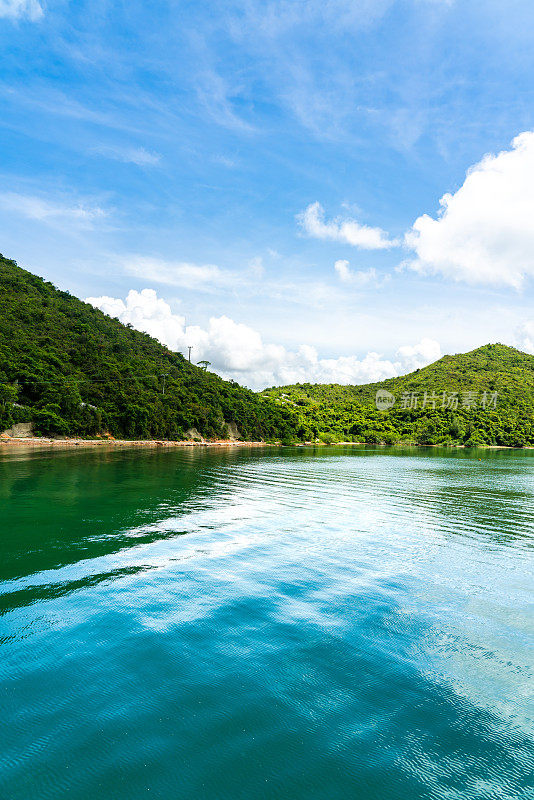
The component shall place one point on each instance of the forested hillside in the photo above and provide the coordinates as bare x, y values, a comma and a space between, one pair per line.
72, 370
482, 397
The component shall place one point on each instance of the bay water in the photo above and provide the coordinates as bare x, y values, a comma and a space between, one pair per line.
319, 624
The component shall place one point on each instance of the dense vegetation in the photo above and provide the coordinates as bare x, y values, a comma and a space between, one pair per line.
489, 399
72, 370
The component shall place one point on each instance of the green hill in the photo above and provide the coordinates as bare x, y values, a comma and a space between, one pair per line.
72, 370
482, 397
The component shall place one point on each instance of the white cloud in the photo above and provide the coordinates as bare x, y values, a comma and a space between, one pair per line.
256, 267
43, 210
419, 355
524, 337
226, 161
484, 232
239, 352
218, 95
129, 155
202, 277
350, 231
274, 18
251, 279
368, 277
20, 9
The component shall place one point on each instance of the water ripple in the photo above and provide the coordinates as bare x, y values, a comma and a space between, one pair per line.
305, 624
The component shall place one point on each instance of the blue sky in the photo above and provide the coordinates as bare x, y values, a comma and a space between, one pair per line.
263, 169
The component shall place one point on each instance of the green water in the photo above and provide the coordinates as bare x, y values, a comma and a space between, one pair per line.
338, 623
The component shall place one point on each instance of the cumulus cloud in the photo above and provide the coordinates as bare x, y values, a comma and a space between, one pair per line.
484, 232
419, 355
21, 9
524, 337
368, 277
239, 352
349, 231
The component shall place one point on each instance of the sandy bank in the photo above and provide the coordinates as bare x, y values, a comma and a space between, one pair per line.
43, 441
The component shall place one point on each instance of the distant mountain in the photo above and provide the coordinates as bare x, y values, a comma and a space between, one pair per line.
71, 370
485, 396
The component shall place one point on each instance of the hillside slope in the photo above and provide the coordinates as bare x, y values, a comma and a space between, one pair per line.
485, 396
72, 370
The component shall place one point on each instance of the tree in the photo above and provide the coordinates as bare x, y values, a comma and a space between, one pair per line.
8, 394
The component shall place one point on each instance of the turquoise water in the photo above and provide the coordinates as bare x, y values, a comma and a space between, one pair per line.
337, 623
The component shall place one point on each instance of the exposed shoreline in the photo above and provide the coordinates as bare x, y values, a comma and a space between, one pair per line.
36, 441
42, 440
